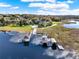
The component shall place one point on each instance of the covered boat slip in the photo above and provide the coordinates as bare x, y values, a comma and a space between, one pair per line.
20, 37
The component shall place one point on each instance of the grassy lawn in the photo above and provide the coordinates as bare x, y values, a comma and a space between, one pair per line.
53, 25
56, 22
19, 29
27, 28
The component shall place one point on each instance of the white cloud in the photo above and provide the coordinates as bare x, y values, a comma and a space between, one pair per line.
70, 12
36, 5
58, 12
38, 0
75, 11
14, 12
51, 1
32, 0
58, 8
49, 5
4, 5
42, 12
52, 7
70, 1
16, 7
67, 1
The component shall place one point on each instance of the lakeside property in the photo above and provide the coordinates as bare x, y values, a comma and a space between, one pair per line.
51, 26
68, 37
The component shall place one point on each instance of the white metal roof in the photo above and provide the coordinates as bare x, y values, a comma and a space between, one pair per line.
35, 31
60, 47
35, 26
53, 40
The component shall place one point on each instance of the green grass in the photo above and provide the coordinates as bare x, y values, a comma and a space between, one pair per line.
28, 28
53, 25
19, 29
56, 22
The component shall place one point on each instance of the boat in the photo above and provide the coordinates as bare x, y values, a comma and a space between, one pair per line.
17, 38
60, 47
21, 37
26, 37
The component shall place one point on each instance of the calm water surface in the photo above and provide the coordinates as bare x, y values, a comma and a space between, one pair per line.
9, 50
76, 25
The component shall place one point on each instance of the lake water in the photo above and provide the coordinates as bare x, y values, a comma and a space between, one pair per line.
9, 50
71, 25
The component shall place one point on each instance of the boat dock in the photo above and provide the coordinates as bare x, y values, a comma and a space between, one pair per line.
37, 39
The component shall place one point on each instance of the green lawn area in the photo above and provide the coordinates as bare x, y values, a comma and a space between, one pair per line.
27, 28
54, 24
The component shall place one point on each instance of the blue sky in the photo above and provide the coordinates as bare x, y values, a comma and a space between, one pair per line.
40, 7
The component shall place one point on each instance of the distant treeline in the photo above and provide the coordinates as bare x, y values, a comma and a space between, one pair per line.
29, 19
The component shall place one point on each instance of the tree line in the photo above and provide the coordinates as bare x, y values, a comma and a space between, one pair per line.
29, 19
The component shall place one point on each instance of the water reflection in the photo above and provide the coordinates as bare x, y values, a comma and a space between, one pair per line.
26, 43
44, 45
9, 50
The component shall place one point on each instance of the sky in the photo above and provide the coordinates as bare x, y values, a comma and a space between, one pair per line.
40, 7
